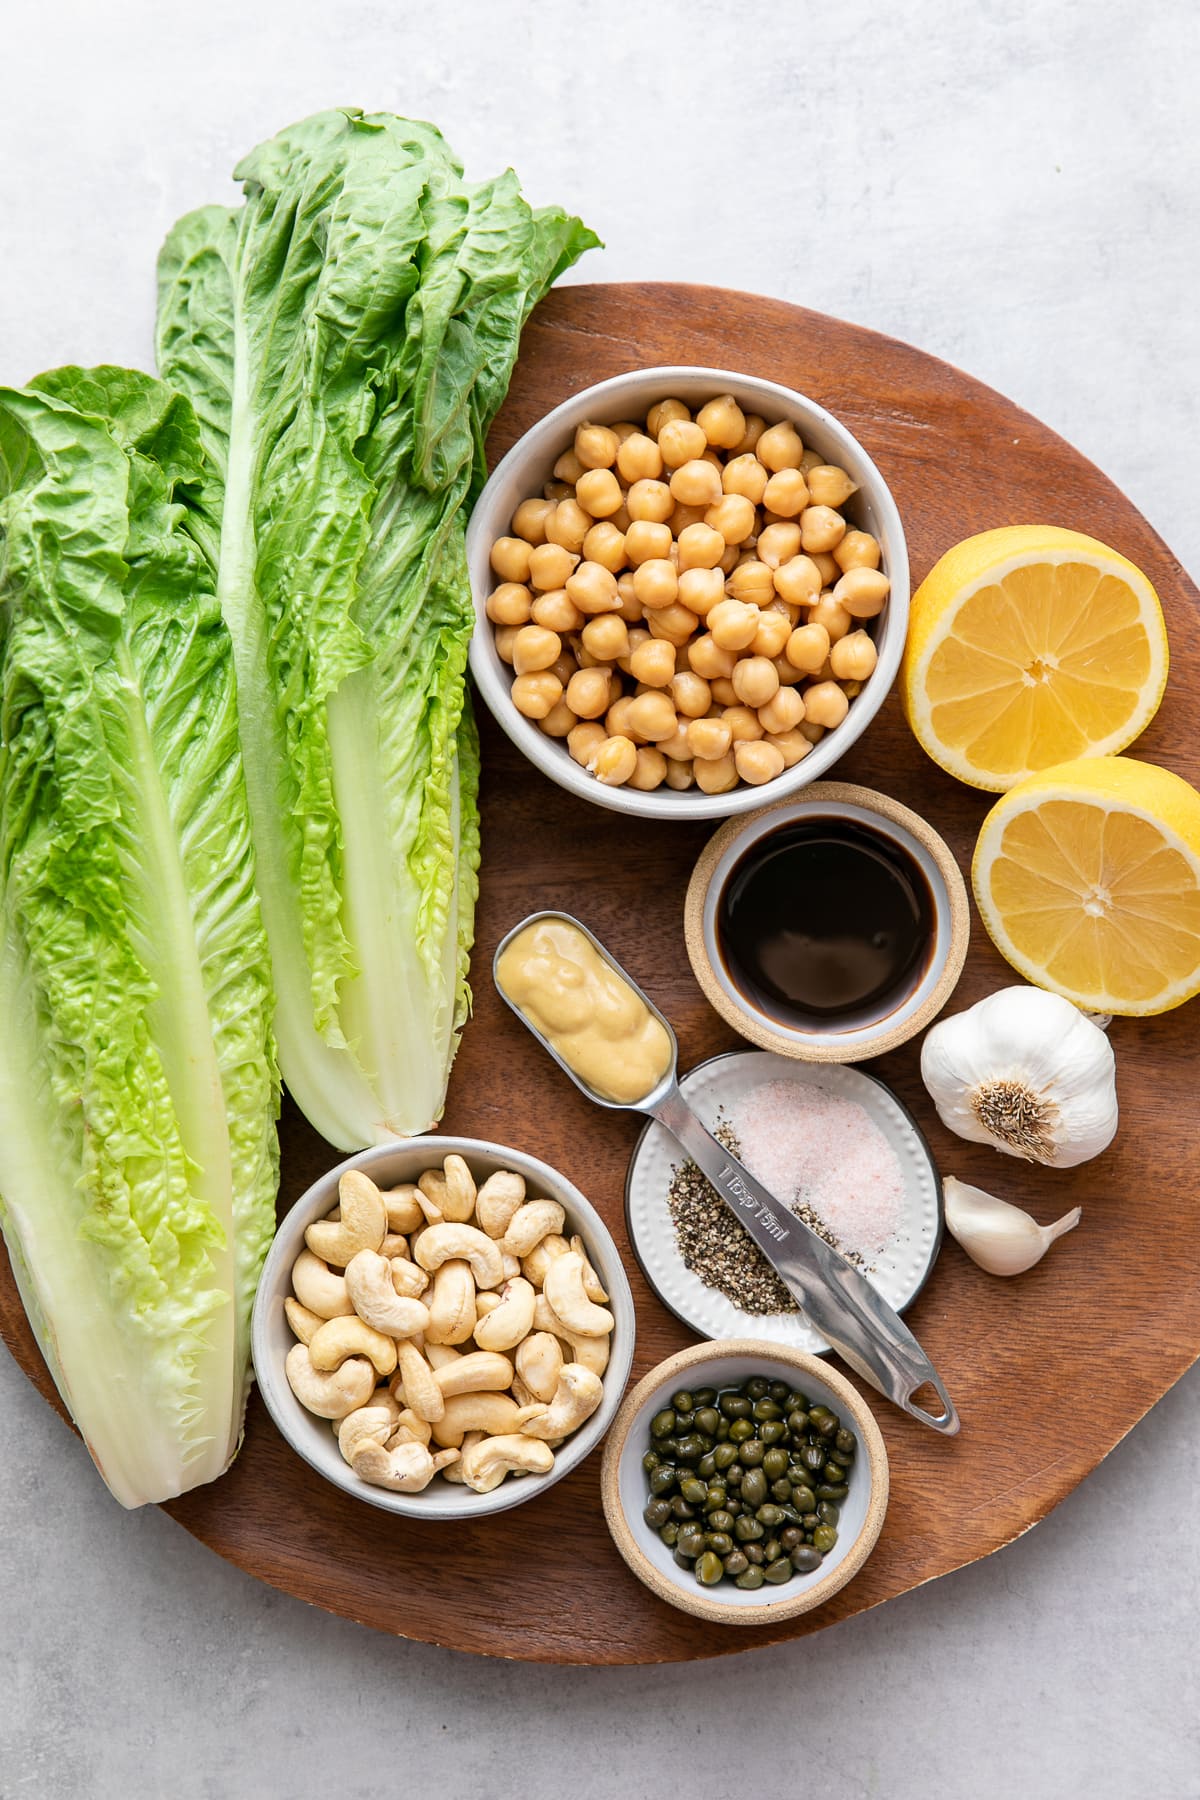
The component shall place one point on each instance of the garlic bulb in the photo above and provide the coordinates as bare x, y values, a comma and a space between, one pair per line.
1026, 1072
1000, 1238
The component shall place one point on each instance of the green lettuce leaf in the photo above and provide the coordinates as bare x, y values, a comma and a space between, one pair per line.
138, 1091
345, 338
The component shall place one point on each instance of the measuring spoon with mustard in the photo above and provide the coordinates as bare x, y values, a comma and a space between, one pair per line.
621, 1052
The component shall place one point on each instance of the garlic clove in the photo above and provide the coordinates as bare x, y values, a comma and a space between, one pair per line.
998, 1236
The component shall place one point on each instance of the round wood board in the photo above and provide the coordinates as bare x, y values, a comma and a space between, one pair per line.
1086, 1342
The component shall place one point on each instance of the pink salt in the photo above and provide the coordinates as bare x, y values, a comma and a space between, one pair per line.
812, 1147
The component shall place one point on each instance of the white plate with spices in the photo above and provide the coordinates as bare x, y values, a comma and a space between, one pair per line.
828, 1140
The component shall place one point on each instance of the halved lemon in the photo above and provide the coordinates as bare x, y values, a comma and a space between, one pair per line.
1087, 877
1031, 646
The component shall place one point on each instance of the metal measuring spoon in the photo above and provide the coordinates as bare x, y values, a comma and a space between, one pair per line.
840, 1301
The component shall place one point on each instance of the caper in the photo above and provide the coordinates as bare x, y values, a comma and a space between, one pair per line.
706, 1466
845, 1442
778, 1391
803, 1499
778, 1571
810, 1521
656, 1513
716, 1497
691, 1449
662, 1424
722, 1431
813, 1457
709, 1568
704, 1397
735, 1562
734, 1406
733, 1475
774, 1464
751, 1453
753, 1552
773, 1432
749, 1578
828, 1513
797, 1422
790, 1536
694, 1491
766, 1409
669, 1533
841, 1459
747, 1530
706, 1419
796, 1401
678, 1556
683, 1423
690, 1540
669, 1446
720, 1541
781, 1492
720, 1521
805, 1559
651, 1460
826, 1425
755, 1388
769, 1515
724, 1454
754, 1487
824, 1538
741, 1431
832, 1490
680, 1508
682, 1401
662, 1479
772, 1550
790, 1514
831, 1473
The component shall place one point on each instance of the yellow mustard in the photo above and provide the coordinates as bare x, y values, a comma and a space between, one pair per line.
582, 1007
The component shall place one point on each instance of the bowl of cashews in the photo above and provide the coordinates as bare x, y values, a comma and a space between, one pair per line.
443, 1327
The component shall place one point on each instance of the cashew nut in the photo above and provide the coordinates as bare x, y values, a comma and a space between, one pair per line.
319, 1289
563, 1289
333, 1395
490, 1412
512, 1320
451, 1304
439, 1244
539, 1362
478, 1372
410, 1430
534, 1266
361, 1226
339, 1338
394, 1244
486, 1464
376, 1420
593, 1287
418, 1386
458, 1190
438, 1356
511, 1265
487, 1303
406, 1469
592, 1352
455, 1473
403, 1208
522, 1395
576, 1398
408, 1280
369, 1284
530, 1224
497, 1201
302, 1322
431, 1211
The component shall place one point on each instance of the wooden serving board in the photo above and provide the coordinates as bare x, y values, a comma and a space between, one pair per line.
1049, 1371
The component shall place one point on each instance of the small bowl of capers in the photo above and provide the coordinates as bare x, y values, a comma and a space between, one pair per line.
745, 1479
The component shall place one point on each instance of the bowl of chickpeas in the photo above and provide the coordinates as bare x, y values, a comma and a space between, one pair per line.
690, 586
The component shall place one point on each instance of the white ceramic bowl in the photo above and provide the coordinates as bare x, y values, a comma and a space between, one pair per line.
529, 463
624, 1490
271, 1337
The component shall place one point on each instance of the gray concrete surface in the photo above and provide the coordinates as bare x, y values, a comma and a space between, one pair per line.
1010, 185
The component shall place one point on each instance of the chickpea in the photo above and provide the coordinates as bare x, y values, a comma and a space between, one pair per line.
639, 459
663, 413
606, 637
782, 712
853, 657
779, 447
631, 607
774, 630
732, 624
655, 583
588, 693
812, 459
821, 528
568, 468
755, 426
554, 491
731, 558
676, 749
537, 694
557, 612
723, 692
792, 745
584, 740
786, 494
529, 520
827, 568
723, 422
624, 428
832, 616
758, 762
681, 441
674, 623
647, 540
505, 638
559, 722
709, 739
606, 545
683, 516
654, 663
743, 724
830, 486
857, 550
649, 770
733, 517
777, 544
564, 667
649, 502
620, 520
617, 721
596, 446
862, 592
752, 581
653, 717
691, 694
509, 604
696, 483
709, 659
745, 476
535, 648
811, 732
679, 775
637, 636
510, 558
549, 566
716, 775
599, 493
700, 547
825, 704
808, 646
613, 761
787, 672
700, 590
593, 588
798, 581
755, 681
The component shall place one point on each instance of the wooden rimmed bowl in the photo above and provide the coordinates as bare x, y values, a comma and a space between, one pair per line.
624, 1491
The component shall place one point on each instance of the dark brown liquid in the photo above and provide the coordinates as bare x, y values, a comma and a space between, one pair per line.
825, 919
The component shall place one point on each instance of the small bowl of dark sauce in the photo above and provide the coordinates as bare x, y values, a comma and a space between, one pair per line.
829, 928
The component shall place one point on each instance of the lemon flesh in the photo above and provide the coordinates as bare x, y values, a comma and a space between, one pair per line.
1087, 877
1031, 646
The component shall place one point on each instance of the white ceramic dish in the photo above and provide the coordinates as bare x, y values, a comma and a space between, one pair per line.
899, 1273
530, 462
623, 1482
271, 1337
